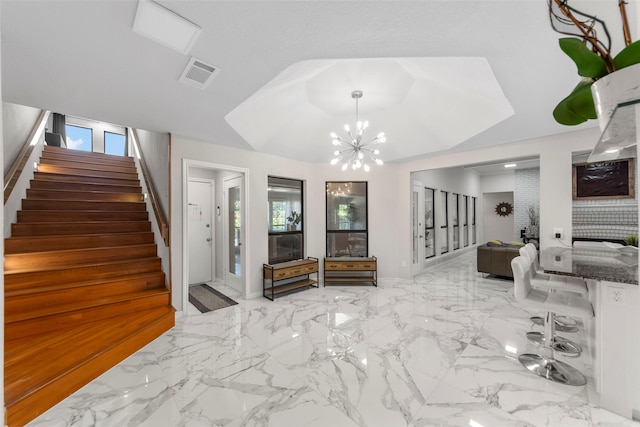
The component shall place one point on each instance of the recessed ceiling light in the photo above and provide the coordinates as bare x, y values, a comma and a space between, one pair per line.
510, 165
165, 27
611, 150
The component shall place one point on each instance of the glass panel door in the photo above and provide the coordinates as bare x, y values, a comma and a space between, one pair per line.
234, 235
429, 223
444, 225
456, 216
473, 221
465, 219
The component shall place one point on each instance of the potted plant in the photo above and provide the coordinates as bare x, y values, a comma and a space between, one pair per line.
592, 55
294, 219
631, 240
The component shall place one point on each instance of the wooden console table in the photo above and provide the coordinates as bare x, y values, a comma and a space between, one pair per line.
287, 276
351, 270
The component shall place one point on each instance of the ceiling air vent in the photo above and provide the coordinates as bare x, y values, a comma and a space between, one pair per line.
198, 74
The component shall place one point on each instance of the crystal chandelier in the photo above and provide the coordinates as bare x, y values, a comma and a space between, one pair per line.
353, 150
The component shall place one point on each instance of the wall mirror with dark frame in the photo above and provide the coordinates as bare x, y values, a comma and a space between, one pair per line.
286, 219
347, 219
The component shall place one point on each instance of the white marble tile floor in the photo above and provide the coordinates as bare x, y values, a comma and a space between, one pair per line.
439, 350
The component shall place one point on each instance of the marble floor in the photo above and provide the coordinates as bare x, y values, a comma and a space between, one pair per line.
439, 350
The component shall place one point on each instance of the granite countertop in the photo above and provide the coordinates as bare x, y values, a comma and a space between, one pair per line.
591, 263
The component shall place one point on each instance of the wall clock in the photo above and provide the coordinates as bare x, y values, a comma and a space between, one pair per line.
504, 209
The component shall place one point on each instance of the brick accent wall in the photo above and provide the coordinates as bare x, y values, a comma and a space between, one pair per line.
526, 193
608, 219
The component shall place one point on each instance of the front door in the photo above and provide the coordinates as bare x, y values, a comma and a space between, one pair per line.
200, 229
234, 232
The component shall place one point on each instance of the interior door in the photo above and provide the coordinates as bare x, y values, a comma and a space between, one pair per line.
417, 228
234, 252
200, 230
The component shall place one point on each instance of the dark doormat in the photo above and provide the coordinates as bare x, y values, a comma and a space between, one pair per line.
206, 299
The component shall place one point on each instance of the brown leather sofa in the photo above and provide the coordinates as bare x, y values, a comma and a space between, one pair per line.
496, 258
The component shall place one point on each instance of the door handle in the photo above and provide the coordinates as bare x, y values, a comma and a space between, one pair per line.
208, 239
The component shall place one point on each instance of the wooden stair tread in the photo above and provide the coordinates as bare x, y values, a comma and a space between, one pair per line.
31, 244
85, 172
83, 195
53, 269
28, 396
120, 161
82, 305
96, 205
85, 186
29, 216
80, 153
78, 228
60, 259
80, 284
61, 177
81, 166
22, 348
33, 348
117, 268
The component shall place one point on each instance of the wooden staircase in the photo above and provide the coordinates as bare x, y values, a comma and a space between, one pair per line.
84, 288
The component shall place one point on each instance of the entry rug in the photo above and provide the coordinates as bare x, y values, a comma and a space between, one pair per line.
207, 299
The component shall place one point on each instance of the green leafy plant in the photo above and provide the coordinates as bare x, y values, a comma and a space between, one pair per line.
592, 55
631, 240
294, 218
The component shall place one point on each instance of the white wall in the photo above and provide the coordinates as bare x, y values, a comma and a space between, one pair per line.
497, 227
500, 182
383, 200
2, 141
555, 183
19, 120
155, 148
389, 196
19, 192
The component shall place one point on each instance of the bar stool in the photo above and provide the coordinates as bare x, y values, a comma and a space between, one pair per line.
540, 279
564, 303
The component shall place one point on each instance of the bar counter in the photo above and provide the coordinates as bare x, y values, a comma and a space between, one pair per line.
597, 263
612, 279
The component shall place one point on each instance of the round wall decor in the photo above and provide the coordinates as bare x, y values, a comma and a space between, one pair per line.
504, 209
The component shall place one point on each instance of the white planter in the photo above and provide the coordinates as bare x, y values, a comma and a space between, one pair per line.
611, 90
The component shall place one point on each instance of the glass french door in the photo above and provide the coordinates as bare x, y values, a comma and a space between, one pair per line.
234, 235
429, 223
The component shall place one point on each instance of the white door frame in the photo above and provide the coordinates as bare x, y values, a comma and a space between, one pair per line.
212, 224
186, 163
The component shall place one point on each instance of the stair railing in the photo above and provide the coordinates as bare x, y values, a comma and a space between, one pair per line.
14, 172
161, 218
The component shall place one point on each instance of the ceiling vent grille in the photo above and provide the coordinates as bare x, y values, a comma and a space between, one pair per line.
198, 74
